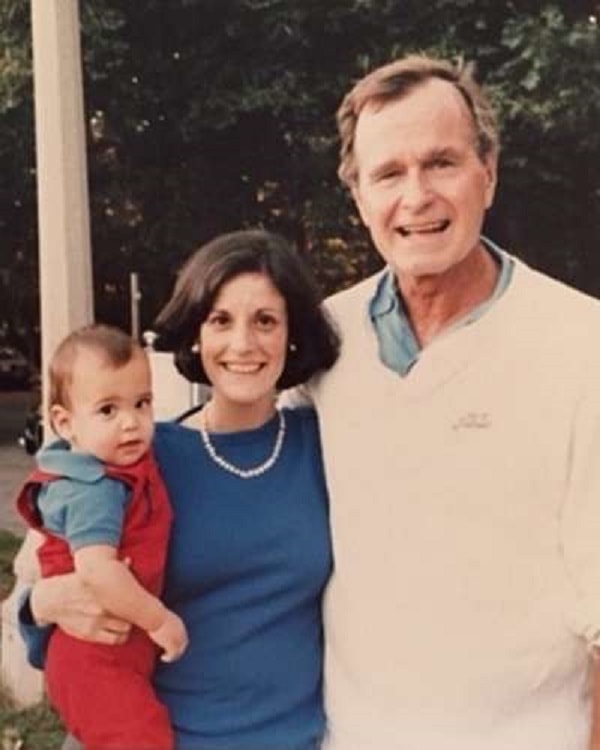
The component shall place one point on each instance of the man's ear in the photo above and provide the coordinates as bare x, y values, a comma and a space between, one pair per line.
355, 190
61, 422
491, 168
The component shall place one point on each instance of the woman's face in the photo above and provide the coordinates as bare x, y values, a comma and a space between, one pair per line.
243, 343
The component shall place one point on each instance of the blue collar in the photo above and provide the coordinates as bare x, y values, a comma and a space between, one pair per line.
58, 458
398, 346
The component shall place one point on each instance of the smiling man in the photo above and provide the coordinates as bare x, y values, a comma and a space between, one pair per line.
461, 435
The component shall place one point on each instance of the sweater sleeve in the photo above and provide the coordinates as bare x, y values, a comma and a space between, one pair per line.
35, 637
580, 521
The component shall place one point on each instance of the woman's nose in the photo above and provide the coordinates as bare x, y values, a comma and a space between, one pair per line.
242, 338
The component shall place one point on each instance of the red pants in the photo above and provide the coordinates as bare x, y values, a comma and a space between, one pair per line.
104, 694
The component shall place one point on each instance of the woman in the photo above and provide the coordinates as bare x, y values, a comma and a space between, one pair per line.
249, 551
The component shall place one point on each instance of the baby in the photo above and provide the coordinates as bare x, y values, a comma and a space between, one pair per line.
99, 500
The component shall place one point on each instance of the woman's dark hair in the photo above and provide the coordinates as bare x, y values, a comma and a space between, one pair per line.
313, 344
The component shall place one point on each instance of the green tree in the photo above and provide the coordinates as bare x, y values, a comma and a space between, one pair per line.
18, 275
208, 115
548, 88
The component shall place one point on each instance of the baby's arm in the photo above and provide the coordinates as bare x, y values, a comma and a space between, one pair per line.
117, 590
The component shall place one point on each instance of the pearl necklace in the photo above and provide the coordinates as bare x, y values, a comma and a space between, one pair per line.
255, 471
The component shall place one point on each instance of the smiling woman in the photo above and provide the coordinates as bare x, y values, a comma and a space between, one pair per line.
249, 551
243, 348
311, 340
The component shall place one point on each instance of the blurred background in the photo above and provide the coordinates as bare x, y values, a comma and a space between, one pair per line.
204, 116
208, 115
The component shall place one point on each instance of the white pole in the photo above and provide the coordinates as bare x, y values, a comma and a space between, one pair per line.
64, 237
134, 302
63, 205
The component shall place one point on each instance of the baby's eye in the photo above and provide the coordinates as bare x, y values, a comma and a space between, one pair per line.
107, 410
144, 403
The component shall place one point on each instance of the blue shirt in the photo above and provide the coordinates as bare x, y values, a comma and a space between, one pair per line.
83, 506
398, 346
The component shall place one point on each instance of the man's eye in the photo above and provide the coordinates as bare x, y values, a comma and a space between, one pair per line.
441, 163
391, 174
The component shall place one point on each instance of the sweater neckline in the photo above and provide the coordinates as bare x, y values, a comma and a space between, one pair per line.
452, 352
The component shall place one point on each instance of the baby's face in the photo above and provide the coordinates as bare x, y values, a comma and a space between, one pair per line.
110, 413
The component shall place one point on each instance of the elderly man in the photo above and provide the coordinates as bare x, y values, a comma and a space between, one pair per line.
461, 434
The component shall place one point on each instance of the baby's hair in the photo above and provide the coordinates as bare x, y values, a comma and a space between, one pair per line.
113, 346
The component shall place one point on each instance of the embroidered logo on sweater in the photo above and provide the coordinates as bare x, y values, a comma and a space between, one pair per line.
473, 420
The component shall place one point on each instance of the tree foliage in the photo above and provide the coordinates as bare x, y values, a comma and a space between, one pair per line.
207, 115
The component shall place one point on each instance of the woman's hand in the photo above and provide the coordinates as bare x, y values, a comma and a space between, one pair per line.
25, 565
65, 601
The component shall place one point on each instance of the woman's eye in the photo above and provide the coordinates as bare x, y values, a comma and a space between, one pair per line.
218, 320
266, 322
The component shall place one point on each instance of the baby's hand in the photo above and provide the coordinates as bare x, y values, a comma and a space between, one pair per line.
171, 636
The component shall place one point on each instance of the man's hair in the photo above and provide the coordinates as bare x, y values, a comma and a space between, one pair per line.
397, 79
113, 346
314, 343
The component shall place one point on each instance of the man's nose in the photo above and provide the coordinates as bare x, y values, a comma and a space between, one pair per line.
415, 190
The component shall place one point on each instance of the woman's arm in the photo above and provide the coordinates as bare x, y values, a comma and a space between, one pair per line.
64, 601
26, 566
59, 600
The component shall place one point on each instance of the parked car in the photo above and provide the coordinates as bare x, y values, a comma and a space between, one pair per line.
14, 368
32, 436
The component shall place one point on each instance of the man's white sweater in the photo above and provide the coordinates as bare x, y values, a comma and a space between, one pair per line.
465, 512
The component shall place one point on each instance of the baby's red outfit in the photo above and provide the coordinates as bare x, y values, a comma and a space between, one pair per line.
104, 693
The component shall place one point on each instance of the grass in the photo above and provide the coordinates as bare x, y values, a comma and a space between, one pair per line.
9, 544
35, 728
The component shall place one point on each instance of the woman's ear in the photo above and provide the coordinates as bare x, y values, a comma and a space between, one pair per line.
61, 422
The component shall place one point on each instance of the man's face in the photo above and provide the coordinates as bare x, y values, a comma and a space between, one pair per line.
422, 190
